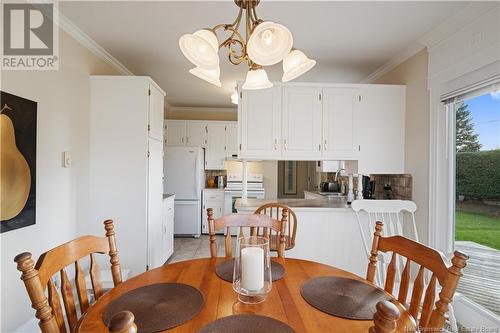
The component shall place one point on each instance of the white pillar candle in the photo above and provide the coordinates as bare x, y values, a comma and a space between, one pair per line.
252, 268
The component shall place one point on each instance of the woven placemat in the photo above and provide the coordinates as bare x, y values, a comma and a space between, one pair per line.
158, 307
343, 297
246, 323
225, 270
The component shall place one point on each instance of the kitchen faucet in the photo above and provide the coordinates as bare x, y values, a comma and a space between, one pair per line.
337, 174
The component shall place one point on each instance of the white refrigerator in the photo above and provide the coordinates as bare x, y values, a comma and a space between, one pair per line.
185, 177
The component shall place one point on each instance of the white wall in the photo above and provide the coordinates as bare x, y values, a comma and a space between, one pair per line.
413, 73
63, 98
468, 54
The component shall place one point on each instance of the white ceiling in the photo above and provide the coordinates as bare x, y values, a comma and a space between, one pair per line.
349, 40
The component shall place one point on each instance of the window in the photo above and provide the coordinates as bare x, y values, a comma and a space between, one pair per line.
477, 199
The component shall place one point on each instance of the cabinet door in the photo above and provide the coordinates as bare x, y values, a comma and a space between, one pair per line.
168, 228
155, 113
175, 132
382, 129
259, 120
339, 123
196, 134
232, 139
156, 249
215, 155
301, 124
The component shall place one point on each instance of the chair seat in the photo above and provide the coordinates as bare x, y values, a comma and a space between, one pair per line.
274, 243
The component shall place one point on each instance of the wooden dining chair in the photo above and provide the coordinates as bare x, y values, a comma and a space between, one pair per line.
431, 317
386, 318
252, 222
39, 279
288, 218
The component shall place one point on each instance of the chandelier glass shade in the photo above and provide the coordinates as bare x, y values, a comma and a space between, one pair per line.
210, 75
295, 64
262, 43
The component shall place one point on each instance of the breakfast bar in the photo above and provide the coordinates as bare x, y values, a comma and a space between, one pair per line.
327, 230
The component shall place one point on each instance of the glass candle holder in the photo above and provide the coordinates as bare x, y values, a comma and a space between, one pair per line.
252, 269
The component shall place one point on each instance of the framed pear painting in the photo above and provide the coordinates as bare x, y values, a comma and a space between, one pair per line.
17, 162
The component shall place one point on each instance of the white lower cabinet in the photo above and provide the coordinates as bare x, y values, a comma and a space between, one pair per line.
212, 198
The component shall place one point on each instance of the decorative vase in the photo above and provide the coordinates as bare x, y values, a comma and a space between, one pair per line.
252, 269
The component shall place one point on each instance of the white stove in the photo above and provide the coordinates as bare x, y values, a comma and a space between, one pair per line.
234, 189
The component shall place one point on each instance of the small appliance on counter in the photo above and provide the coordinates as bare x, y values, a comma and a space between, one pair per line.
219, 180
368, 188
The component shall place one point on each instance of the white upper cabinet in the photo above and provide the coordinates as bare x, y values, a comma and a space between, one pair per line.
155, 113
196, 134
175, 132
301, 122
259, 119
381, 129
340, 106
312, 121
232, 140
215, 153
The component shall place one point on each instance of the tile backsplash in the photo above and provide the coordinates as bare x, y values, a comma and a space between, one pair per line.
401, 184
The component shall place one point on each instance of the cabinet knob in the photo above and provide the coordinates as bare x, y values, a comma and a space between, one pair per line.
326, 145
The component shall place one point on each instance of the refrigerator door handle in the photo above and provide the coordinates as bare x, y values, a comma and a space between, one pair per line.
197, 172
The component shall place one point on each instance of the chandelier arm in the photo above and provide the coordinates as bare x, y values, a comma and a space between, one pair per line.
248, 22
255, 17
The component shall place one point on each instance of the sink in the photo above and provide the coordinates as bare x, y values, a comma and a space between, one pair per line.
333, 194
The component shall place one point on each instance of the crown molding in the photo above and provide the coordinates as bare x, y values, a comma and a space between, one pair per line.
432, 38
456, 22
406, 54
70, 28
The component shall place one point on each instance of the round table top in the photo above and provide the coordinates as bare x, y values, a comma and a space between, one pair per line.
283, 303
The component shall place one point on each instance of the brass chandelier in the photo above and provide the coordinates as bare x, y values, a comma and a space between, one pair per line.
265, 43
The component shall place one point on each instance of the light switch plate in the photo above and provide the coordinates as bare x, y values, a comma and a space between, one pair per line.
67, 159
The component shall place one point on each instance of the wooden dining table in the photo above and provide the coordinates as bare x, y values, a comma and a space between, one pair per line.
283, 303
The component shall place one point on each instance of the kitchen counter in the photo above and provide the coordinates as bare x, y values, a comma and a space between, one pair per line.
327, 231
297, 204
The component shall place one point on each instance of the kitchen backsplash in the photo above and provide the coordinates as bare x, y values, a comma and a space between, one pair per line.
401, 184
213, 173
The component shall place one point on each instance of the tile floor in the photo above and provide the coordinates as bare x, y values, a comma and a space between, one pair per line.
186, 248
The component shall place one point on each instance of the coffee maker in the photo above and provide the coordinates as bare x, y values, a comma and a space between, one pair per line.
368, 188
